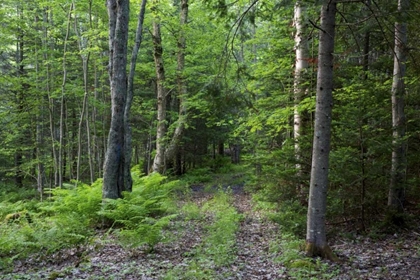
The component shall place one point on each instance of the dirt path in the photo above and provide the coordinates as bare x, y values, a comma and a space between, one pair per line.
104, 259
254, 259
396, 257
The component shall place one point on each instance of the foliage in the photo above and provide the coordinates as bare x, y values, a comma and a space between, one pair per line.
291, 217
141, 214
198, 175
218, 245
299, 266
220, 242
70, 217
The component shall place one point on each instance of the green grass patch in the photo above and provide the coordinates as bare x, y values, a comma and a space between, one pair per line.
218, 247
291, 255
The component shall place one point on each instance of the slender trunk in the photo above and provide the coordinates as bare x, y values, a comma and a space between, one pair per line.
39, 134
173, 147
363, 148
83, 45
396, 194
20, 72
316, 239
159, 161
300, 87
48, 82
63, 85
113, 184
130, 88
95, 142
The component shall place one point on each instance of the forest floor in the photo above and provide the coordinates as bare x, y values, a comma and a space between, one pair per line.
256, 253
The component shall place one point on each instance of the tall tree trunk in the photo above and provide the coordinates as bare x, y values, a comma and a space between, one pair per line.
20, 72
130, 88
300, 86
62, 107
159, 161
363, 123
113, 184
83, 45
49, 82
396, 194
316, 239
173, 148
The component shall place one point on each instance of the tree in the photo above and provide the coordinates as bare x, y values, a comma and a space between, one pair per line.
316, 240
172, 151
159, 161
300, 84
130, 89
114, 181
397, 188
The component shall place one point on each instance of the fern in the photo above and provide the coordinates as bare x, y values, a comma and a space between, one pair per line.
141, 214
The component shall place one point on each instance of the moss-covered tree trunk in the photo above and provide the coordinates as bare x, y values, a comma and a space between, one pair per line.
316, 239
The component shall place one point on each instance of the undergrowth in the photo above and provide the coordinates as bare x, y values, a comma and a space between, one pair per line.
298, 266
218, 247
70, 216
290, 215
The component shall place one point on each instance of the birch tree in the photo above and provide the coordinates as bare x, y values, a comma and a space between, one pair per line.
300, 85
316, 240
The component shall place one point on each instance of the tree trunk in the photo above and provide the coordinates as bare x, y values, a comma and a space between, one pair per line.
396, 194
20, 72
113, 184
173, 148
159, 161
316, 240
62, 108
85, 56
128, 135
300, 87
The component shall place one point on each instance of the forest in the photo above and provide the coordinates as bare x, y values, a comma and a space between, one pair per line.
209, 139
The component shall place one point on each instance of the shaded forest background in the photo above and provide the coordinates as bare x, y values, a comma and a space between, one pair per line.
237, 101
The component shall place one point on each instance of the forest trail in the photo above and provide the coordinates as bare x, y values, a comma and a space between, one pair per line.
176, 258
253, 256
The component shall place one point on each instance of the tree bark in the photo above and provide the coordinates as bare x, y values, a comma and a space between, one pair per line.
113, 184
128, 135
159, 161
85, 56
300, 86
396, 194
63, 92
20, 100
173, 148
316, 240
49, 81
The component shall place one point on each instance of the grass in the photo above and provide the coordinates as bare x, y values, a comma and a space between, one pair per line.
218, 247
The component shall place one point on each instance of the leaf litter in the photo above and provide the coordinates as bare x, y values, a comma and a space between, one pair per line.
393, 257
